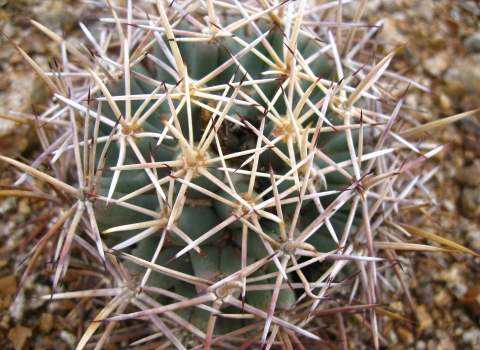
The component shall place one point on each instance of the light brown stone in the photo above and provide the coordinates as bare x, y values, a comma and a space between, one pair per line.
8, 284
46, 323
18, 336
424, 319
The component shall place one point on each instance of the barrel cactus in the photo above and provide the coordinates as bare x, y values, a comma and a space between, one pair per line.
237, 165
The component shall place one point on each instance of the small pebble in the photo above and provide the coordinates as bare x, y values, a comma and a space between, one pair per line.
472, 337
445, 101
435, 65
470, 175
424, 319
473, 239
18, 335
46, 323
449, 206
472, 43
471, 202
420, 345
443, 298
405, 335
68, 338
458, 289
471, 7
8, 284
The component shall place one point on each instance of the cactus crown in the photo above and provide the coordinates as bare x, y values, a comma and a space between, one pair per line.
242, 160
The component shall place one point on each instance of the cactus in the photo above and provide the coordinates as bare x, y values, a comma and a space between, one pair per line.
239, 161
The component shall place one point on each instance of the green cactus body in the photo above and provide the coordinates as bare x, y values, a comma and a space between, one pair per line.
202, 58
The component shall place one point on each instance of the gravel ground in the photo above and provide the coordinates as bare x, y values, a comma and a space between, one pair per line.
442, 53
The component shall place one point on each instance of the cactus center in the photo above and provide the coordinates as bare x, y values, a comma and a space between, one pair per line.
288, 247
192, 87
314, 175
243, 210
129, 129
224, 292
285, 130
193, 163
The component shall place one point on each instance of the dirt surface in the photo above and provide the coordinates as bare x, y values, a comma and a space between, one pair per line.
442, 53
